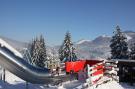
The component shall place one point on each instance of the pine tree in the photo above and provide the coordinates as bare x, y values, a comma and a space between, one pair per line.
27, 55
53, 59
27, 52
119, 46
38, 52
132, 53
67, 50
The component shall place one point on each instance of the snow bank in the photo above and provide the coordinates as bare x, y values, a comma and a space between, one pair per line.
5, 44
110, 85
12, 79
103, 84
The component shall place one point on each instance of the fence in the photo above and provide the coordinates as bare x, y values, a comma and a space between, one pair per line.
111, 70
95, 72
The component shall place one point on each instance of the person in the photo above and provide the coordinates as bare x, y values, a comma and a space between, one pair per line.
58, 70
71, 75
82, 75
85, 73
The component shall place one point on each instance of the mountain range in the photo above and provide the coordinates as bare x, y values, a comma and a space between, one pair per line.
85, 49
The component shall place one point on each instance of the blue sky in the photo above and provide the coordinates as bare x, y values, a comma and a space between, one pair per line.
85, 19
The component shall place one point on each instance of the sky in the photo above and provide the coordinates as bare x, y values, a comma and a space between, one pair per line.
23, 20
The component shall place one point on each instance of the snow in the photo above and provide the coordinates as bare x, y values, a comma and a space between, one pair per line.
110, 85
14, 82
128, 37
5, 44
93, 78
82, 41
12, 79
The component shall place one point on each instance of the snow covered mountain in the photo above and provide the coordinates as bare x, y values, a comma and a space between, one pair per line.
99, 47
130, 37
83, 41
102, 40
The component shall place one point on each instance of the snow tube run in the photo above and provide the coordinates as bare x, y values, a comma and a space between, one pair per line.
12, 60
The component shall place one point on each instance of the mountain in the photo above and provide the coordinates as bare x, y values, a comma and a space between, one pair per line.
97, 48
102, 40
130, 37
83, 41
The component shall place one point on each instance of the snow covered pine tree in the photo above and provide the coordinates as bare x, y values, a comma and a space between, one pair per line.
38, 52
119, 50
119, 46
67, 50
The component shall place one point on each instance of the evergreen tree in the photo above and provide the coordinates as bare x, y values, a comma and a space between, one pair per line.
27, 55
132, 53
38, 52
53, 59
119, 47
67, 51
27, 52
